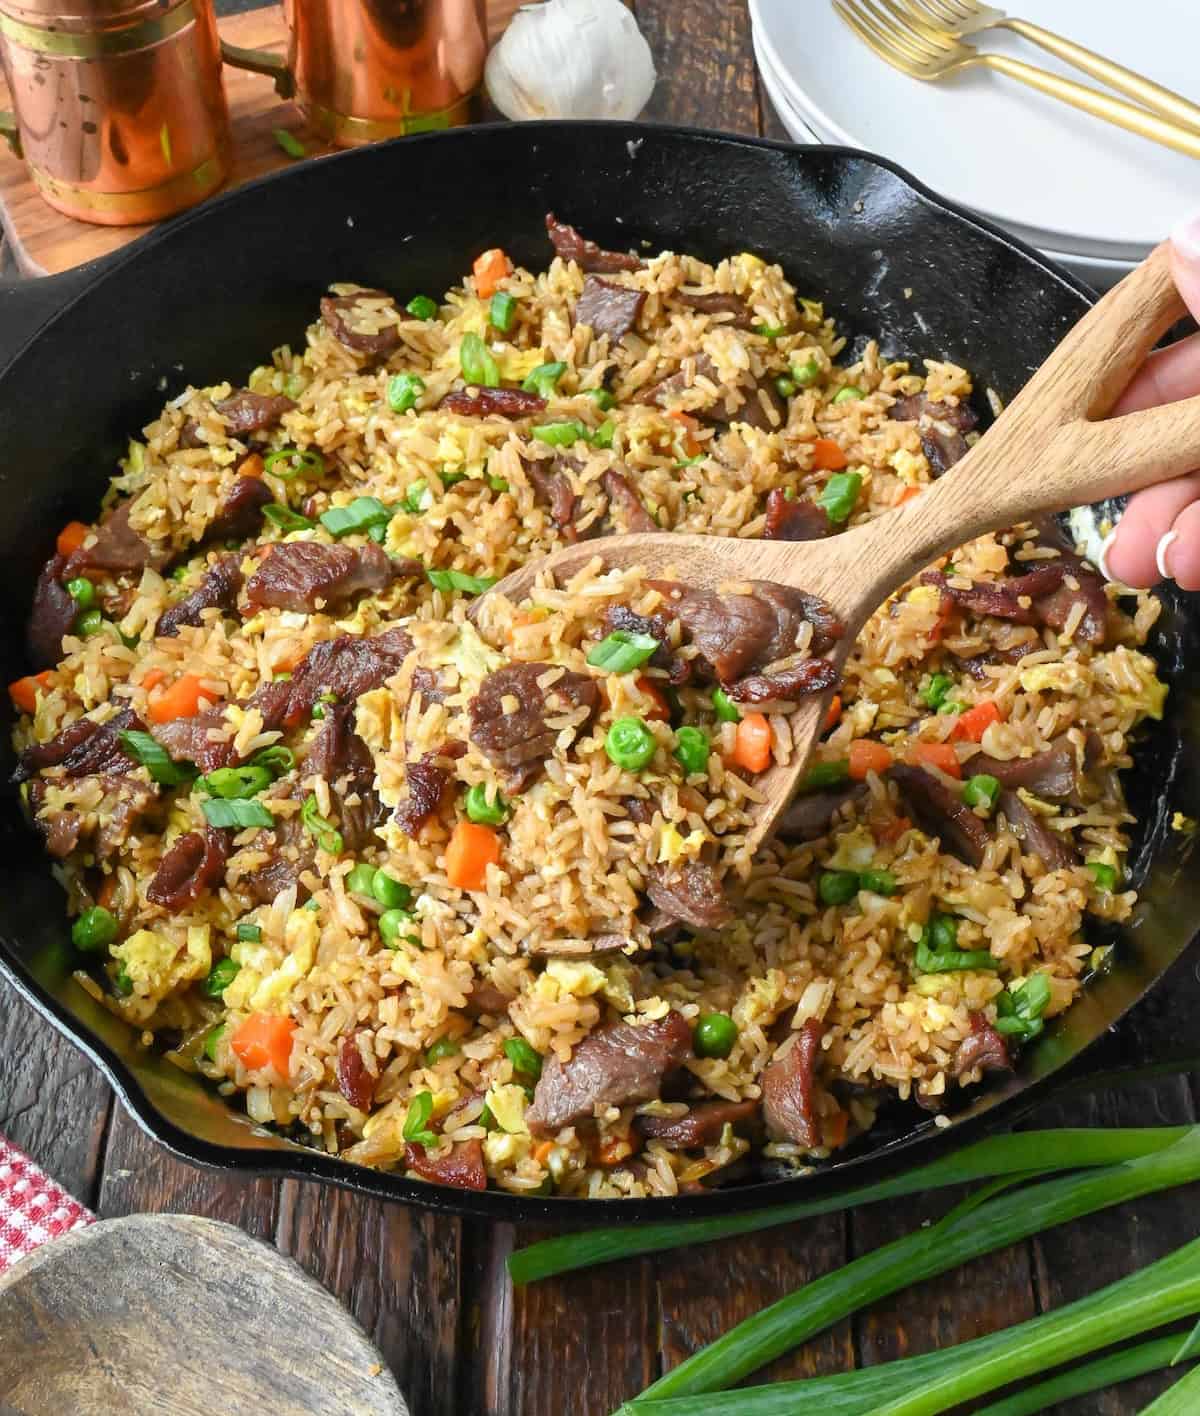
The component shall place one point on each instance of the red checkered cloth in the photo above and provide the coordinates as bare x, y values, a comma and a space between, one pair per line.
33, 1209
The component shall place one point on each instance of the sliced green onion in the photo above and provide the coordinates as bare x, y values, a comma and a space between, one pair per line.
212, 1041
497, 484
501, 311
286, 462
289, 142
478, 366
249, 933
1105, 876
770, 331
421, 307
1019, 1010
82, 591
484, 809
523, 1057
630, 744
233, 783
403, 390
287, 519
691, 749
603, 435
806, 374
153, 756
622, 651
981, 790
933, 695
416, 1121
324, 832
418, 498
825, 774
937, 950
94, 930
222, 974
837, 887
360, 879
360, 515
88, 623
602, 398
715, 1035
442, 1048
560, 434
724, 707
839, 495
239, 814
277, 759
848, 394
460, 580
544, 379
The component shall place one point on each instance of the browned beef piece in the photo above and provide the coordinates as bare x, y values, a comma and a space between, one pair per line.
271, 700
1080, 585
218, 590
794, 518
552, 485
788, 1087
504, 402
519, 742
609, 309
429, 684
462, 1167
754, 414
616, 1065
1044, 595
809, 816
345, 667
245, 412
626, 500
355, 1082
189, 435
195, 863
700, 1127
307, 575
279, 873
667, 390
130, 800
943, 813
691, 892
621, 617
737, 634
718, 304
427, 781
787, 685
1053, 774
117, 547
340, 756
339, 313
1055, 850
83, 749
190, 739
241, 513
639, 809
52, 615
941, 427
571, 246
61, 829
485, 997
978, 663
984, 1047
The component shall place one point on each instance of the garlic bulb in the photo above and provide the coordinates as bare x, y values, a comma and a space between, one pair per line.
571, 59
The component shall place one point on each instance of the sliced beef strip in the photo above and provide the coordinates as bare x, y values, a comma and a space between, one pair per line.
1045, 595
61, 829
942, 813
719, 304
552, 485
194, 864
983, 1047
668, 389
941, 427
84, 749
1053, 774
616, 1065
218, 590
462, 1167
789, 1086
978, 664
51, 616
794, 518
691, 892
338, 312
609, 309
127, 802
483, 402
346, 667
623, 497
1087, 589
1054, 849
622, 618
519, 742
307, 575
246, 412
355, 1081
571, 246
701, 1126
191, 739
786, 685
427, 781
810, 816
754, 415
117, 548
240, 515
338, 754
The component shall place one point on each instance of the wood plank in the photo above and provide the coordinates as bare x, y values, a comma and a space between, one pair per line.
397, 1270
705, 64
54, 1104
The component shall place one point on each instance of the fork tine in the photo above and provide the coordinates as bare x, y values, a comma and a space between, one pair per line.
850, 14
927, 44
932, 12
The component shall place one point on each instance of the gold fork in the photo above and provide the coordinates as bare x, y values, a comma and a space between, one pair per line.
924, 53
960, 18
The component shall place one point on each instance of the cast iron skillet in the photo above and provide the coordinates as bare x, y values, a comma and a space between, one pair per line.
87, 359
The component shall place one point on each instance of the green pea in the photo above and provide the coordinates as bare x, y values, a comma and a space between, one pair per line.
825, 774
212, 1041
421, 307
1105, 876
441, 1049
848, 394
94, 930
630, 744
82, 591
523, 1057
724, 707
223, 973
360, 880
784, 386
715, 1035
395, 926
837, 887
487, 810
391, 893
89, 623
403, 391
501, 311
981, 790
806, 373
122, 983
691, 749
878, 882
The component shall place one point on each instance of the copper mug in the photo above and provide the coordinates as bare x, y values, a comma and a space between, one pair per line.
120, 112
361, 70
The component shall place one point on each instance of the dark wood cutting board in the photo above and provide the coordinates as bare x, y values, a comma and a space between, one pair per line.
179, 1316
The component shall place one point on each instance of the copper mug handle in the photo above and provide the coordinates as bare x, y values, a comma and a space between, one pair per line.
10, 132
259, 61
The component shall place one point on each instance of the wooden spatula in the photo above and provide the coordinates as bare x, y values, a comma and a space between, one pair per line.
1051, 449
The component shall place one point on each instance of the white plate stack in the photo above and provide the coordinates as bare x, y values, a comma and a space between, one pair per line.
1087, 194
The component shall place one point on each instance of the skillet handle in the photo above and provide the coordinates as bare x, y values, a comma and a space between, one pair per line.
27, 305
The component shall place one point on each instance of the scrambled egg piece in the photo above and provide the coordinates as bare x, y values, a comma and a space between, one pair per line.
267, 975
1063, 678
155, 964
517, 364
910, 467
673, 846
578, 978
855, 850
507, 1105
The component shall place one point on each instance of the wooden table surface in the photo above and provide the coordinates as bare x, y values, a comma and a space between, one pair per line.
432, 1292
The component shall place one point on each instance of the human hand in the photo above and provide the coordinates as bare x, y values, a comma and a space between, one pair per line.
1158, 536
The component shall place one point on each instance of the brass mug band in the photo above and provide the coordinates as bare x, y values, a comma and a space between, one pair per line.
71, 45
371, 130
199, 182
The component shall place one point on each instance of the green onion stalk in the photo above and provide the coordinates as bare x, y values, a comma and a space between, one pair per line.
1182, 1399
1100, 1375
1061, 1149
964, 1234
936, 1382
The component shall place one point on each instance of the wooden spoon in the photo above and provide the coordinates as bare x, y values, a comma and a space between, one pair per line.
1045, 453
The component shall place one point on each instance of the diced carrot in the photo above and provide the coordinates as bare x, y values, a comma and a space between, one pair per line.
107, 891
613, 1150
251, 465
471, 849
894, 829
182, 700
264, 1040
867, 755
937, 754
520, 619
690, 427
752, 743
542, 1151
650, 690
834, 716
907, 495
24, 691
489, 270
71, 537
152, 678
828, 456
834, 1128
972, 724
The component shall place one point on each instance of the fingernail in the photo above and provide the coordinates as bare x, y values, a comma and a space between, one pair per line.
1102, 558
1160, 553
1185, 236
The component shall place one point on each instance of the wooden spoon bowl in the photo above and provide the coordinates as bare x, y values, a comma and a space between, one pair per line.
1051, 449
